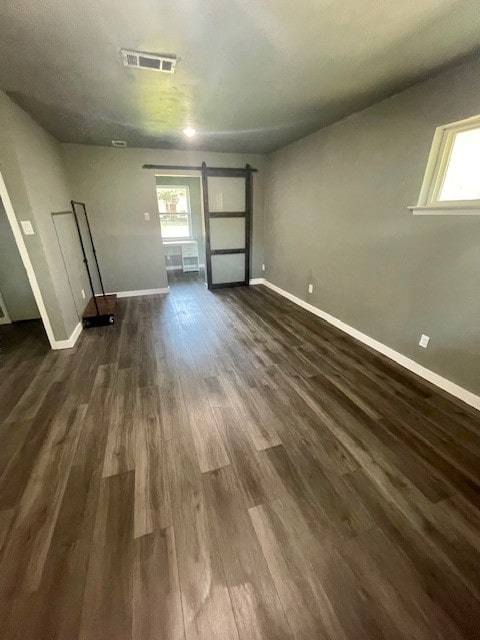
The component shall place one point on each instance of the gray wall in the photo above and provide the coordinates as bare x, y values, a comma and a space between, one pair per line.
196, 209
118, 192
32, 168
14, 285
336, 217
67, 236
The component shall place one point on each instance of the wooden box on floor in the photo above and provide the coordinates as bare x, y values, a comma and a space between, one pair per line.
105, 314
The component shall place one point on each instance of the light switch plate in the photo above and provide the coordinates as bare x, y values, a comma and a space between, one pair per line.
310, 288
147, 216
424, 340
27, 228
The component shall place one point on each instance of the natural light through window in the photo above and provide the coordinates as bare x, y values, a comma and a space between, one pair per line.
174, 210
451, 185
462, 177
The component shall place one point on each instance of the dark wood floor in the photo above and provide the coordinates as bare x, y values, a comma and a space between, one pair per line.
226, 466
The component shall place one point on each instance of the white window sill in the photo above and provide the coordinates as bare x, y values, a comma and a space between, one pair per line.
445, 210
177, 241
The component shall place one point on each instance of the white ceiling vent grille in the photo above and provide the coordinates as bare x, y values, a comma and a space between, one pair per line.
151, 61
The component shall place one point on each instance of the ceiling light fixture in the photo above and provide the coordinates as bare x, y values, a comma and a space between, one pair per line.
189, 132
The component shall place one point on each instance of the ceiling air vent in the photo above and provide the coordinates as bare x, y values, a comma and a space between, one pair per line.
151, 61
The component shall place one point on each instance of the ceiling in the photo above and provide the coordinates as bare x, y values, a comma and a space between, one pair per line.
254, 75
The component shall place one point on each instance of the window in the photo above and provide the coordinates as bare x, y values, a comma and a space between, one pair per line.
452, 180
462, 175
174, 210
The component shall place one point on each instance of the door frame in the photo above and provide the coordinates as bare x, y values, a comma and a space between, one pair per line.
181, 173
6, 316
218, 172
22, 248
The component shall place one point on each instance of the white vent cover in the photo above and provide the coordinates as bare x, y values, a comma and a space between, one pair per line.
119, 143
151, 61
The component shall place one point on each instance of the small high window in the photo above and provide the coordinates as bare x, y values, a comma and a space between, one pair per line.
452, 179
174, 210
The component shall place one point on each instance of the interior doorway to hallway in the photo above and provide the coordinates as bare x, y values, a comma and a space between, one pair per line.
21, 324
24, 302
180, 209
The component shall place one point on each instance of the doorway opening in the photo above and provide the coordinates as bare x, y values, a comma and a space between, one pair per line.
180, 210
21, 323
226, 225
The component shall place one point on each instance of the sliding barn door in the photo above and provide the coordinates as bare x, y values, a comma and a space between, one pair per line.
227, 204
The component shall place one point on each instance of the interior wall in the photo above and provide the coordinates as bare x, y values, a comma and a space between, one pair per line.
32, 168
196, 212
67, 236
336, 217
118, 192
14, 285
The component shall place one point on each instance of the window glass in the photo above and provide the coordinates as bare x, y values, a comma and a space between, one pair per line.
174, 209
462, 177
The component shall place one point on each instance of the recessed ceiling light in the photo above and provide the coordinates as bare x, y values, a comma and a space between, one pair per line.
189, 132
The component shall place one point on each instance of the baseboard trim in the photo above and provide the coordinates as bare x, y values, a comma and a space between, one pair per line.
257, 281
439, 381
138, 292
70, 342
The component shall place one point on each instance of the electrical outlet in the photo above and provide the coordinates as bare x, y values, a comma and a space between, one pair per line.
310, 288
147, 216
83, 293
263, 267
424, 340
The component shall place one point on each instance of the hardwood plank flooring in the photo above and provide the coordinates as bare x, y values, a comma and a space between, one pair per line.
226, 466
255, 602
28, 542
152, 499
157, 606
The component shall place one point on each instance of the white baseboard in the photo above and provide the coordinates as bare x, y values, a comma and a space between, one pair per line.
447, 385
257, 281
70, 342
141, 292
137, 292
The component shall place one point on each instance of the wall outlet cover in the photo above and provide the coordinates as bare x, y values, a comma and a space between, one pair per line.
147, 216
310, 288
424, 340
263, 267
83, 293
27, 227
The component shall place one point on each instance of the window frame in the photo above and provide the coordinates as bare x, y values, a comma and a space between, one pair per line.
435, 173
188, 213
